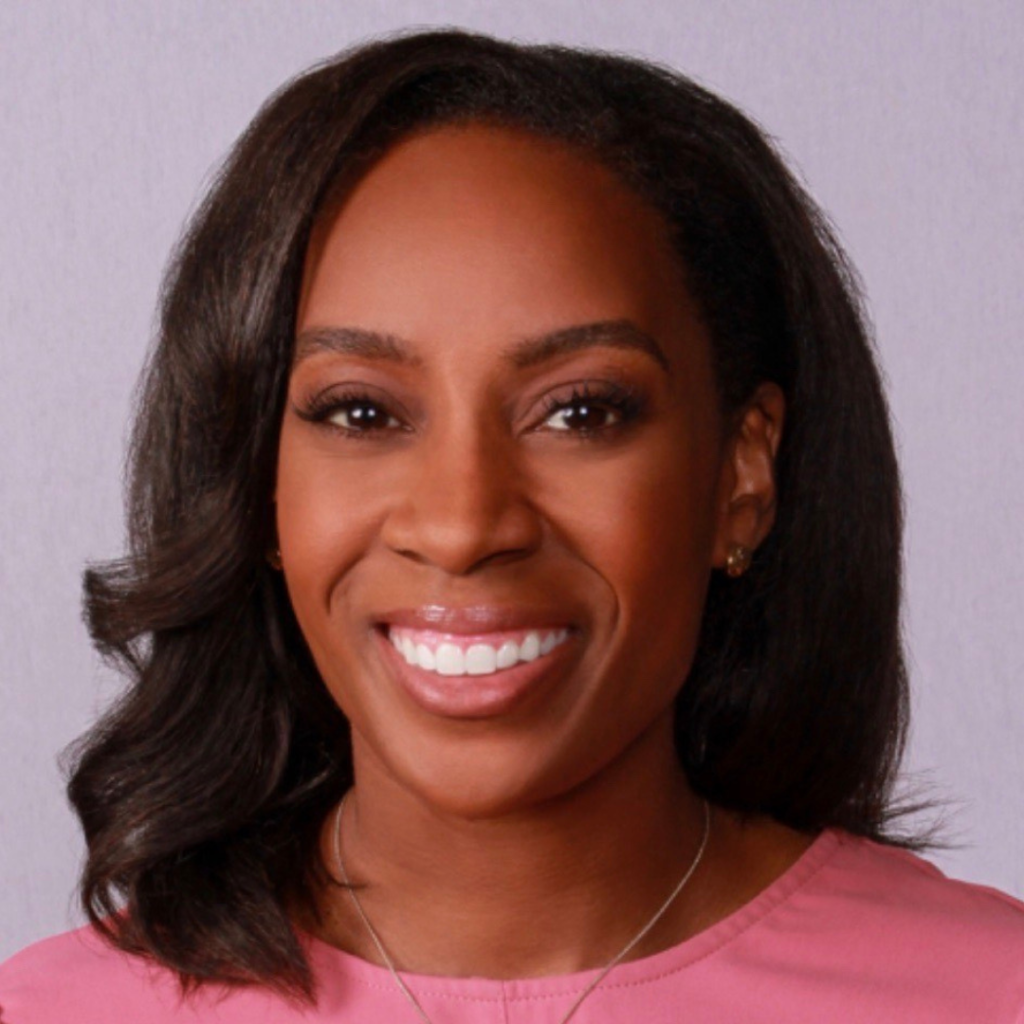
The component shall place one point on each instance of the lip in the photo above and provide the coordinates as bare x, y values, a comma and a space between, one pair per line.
472, 696
470, 620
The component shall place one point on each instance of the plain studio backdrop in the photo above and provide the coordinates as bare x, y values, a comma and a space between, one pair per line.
904, 120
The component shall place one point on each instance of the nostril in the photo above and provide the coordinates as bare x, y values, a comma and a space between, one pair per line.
462, 542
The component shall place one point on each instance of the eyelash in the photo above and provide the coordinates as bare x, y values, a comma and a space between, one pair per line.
623, 401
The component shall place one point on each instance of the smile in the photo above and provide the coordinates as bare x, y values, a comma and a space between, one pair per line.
448, 654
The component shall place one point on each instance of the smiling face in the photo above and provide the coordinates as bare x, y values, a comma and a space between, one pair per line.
502, 460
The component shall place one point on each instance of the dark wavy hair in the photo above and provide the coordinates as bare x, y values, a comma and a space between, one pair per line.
202, 792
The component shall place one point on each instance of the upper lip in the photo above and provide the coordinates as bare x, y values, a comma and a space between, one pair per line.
470, 619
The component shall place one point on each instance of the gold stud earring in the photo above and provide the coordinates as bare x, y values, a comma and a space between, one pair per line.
737, 561
274, 558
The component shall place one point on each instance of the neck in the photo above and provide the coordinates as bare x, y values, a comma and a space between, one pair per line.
549, 887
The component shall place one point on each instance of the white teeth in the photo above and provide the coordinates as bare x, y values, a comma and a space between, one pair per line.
425, 657
450, 661
530, 648
480, 659
508, 654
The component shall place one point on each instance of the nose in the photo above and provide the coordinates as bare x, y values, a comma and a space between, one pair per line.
462, 501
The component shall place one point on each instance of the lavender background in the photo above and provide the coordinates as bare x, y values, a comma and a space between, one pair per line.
904, 119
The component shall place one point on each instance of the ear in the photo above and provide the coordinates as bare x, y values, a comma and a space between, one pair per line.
746, 487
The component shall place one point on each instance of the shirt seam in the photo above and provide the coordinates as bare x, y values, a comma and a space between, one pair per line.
738, 929
726, 940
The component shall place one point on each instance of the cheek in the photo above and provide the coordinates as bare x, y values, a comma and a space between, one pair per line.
324, 524
649, 514
645, 524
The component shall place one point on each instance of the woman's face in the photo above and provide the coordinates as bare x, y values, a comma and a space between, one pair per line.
502, 453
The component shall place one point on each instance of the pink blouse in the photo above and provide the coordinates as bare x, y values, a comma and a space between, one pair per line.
852, 932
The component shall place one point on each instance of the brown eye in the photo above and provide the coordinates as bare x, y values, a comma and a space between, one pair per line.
592, 409
360, 416
583, 416
352, 413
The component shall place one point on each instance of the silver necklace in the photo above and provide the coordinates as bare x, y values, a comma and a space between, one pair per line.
414, 1002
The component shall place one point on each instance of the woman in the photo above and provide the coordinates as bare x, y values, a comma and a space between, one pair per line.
512, 605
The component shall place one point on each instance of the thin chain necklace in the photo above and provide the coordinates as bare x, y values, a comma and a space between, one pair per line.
414, 1002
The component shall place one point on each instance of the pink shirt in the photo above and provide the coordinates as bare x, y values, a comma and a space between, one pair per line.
853, 932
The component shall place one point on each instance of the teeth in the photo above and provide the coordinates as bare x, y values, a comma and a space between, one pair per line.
479, 659
508, 654
530, 649
422, 656
450, 661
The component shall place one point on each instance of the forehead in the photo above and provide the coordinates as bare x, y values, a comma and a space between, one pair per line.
485, 230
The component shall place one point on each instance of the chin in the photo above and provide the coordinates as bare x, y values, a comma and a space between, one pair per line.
484, 779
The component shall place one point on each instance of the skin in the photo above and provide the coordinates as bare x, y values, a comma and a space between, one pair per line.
540, 840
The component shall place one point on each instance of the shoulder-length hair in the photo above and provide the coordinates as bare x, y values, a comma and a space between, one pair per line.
202, 791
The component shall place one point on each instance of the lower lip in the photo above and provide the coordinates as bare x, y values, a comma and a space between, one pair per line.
469, 696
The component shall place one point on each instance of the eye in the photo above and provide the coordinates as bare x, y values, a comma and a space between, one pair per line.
360, 415
353, 413
591, 409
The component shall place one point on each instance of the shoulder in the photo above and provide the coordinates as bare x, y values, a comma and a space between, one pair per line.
895, 928
873, 879
79, 976
50, 980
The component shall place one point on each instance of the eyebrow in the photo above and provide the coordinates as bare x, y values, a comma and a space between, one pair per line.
354, 341
526, 352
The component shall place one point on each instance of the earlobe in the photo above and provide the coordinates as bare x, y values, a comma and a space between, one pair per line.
748, 493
